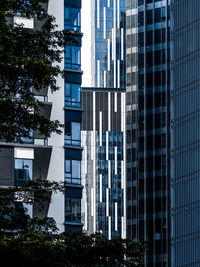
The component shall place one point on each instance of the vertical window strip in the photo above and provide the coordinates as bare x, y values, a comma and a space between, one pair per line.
116, 214
118, 14
107, 145
98, 14
100, 188
104, 22
122, 174
115, 108
109, 112
108, 55
100, 128
98, 73
122, 44
115, 160
107, 202
115, 74
118, 73
109, 174
109, 228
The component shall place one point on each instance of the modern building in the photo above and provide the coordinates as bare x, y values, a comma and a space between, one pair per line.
108, 37
185, 133
73, 116
104, 161
103, 129
59, 157
148, 115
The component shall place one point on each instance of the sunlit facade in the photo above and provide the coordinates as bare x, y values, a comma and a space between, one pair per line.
108, 43
104, 162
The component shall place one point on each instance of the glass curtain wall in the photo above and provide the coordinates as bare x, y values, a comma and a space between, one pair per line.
185, 133
148, 84
108, 43
103, 162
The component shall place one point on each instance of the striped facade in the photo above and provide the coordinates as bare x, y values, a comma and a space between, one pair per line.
104, 162
108, 43
185, 132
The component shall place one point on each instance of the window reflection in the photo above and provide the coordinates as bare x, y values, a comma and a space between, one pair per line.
72, 57
72, 19
72, 133
23, 170
73, 171
72, 95
73, 209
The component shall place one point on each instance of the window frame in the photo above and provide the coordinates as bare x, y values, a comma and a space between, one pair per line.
69, 177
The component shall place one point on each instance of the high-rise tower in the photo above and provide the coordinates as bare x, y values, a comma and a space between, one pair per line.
108, 43
185, 133
103, 130
148, 83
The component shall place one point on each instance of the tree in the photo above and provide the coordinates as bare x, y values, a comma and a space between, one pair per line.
28, 63
27, 241
14, 218
70, 249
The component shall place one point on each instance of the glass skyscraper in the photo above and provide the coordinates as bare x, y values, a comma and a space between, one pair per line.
104, 161
103, 130
148, 87
108, 43
185, 133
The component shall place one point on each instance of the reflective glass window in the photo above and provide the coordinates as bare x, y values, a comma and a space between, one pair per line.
73, 209
72, 57
73, 171
72, 133
23, 170
72, 95
72, 19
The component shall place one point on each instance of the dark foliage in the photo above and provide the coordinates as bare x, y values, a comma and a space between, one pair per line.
29, 62
13, 215
70, 249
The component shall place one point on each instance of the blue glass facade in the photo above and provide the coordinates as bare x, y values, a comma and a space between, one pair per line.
185, 133
108, 43
148, 87
73, 117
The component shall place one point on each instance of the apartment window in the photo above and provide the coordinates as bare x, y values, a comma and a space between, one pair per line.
72, 95
73, 171
73, 210
72, 19
72, 57
72, 133
23, 171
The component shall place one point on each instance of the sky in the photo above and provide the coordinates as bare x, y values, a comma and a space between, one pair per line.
86, 43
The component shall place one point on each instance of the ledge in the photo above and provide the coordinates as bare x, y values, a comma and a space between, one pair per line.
73, 223
74, 109
73, 147
24, 145
74, 185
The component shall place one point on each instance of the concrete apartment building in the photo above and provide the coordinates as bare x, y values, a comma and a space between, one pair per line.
58, 157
